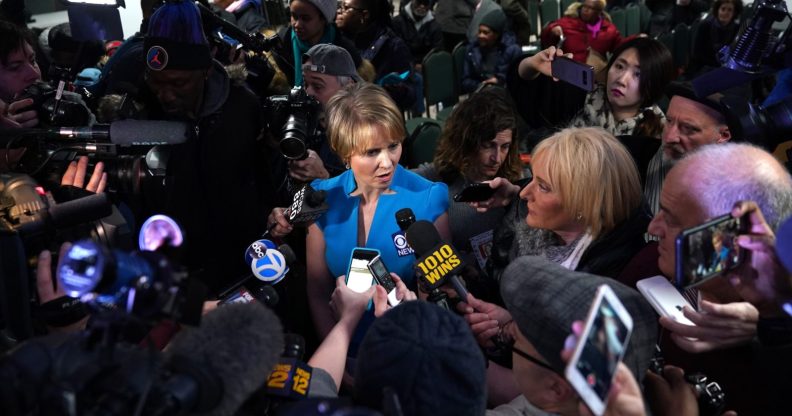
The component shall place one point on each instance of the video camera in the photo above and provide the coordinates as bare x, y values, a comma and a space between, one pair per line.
52, 110
295, 119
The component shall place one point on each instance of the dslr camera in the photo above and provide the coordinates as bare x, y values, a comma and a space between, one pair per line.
295, 119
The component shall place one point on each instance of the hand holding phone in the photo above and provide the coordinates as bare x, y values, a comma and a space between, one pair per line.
709, 250
600, 349
381, 274
573, 72
664, 298
475, 192
358, 277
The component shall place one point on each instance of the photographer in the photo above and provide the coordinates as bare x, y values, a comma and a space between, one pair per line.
18, 70
215, 182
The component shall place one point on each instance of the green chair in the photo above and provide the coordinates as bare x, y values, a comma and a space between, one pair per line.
533, 14
646, 17
619, 19
681, 51
459, 65
420, 145
549, 11
667, 39
439, 84
633, 14
693, 32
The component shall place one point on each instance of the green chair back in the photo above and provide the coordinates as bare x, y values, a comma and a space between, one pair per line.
619, 19
459, 64
633, 23
421, 145
438, 75
550, 11
533, 14
565, 5
681, 51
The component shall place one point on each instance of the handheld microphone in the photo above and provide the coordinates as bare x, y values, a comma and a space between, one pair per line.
307, 205
404, 218
237, 343
436, 262
269, 264
291, 377
128, 132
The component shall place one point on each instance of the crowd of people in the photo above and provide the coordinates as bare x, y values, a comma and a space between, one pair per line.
583, 189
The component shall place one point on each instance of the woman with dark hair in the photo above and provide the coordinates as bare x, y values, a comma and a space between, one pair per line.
637, 75
478, 144
717, 30
312, 22
368, 24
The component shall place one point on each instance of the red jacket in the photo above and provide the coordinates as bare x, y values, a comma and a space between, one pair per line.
578, 37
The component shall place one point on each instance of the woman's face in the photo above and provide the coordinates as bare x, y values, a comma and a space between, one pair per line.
491, 155
306, 21
545, 208
624, 81
726, 13
487, 37
375, 166
590, 11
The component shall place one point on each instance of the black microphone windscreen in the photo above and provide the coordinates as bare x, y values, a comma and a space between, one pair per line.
316, 198
78, 211
240, 343
422, 236
288, 254
147, 132
405, 217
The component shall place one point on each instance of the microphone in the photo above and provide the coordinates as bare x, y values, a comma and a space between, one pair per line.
269, 264
128, 132
291, 377
238, 344
404, 218
436, 262
307, 205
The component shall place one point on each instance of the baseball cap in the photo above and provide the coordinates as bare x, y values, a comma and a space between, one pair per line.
331, 60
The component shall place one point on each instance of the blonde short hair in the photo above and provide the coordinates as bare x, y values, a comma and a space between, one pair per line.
355, 112
594, 174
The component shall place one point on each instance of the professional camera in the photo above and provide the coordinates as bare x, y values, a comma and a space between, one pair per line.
294, 118
711, 397
53, 111
767, 126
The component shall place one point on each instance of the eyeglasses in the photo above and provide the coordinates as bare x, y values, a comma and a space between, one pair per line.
344, 8
533, 359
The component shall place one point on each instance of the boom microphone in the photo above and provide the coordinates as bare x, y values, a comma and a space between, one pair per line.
128, 132
239, 344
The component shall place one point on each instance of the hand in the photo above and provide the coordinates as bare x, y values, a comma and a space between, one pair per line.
491, 80
381, 296
348, 305
624, 397
277, 224
761, 280
670, 394
5, 120
485, 319
504, 195
75, 175
21, 113
540, 63
49, 289
717, 326
557, 31
309, 168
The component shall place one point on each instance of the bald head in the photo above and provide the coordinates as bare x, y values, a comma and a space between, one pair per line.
717, 176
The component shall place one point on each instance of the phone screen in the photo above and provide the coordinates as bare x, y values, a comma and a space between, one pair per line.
708, 250
604, 342
359, 277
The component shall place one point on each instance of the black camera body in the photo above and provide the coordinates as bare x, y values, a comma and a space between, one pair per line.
295, 119
711, 398
55, 112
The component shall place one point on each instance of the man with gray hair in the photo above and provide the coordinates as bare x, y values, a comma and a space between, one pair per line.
705, 184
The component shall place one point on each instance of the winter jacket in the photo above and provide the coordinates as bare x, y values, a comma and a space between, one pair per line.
578, 38
474, 71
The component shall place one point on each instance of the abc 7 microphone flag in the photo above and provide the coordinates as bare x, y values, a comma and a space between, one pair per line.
266, 262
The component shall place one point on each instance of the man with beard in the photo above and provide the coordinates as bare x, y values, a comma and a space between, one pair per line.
692, 122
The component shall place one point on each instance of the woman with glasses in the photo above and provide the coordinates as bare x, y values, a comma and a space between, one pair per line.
368, 24
312, 22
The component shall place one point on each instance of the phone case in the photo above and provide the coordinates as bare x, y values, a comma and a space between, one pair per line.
682, 249
664, 298
573, 72
375, 253
475, 192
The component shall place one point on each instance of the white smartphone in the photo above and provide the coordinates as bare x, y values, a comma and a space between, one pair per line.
664, 298
383, 278
600, 349
358, 277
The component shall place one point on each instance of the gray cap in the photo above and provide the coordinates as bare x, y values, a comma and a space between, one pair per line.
545, 298
331, 60
327, 8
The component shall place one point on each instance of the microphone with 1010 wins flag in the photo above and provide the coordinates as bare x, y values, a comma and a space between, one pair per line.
436, 260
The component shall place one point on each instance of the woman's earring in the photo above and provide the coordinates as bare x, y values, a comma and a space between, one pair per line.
579, 216
346, 165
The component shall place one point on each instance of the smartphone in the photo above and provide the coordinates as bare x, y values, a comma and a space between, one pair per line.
600, 349
475, 192
358, 277
573, 72
709, 250
381, 274
664, 298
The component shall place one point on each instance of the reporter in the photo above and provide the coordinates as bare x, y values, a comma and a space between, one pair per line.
366, 129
